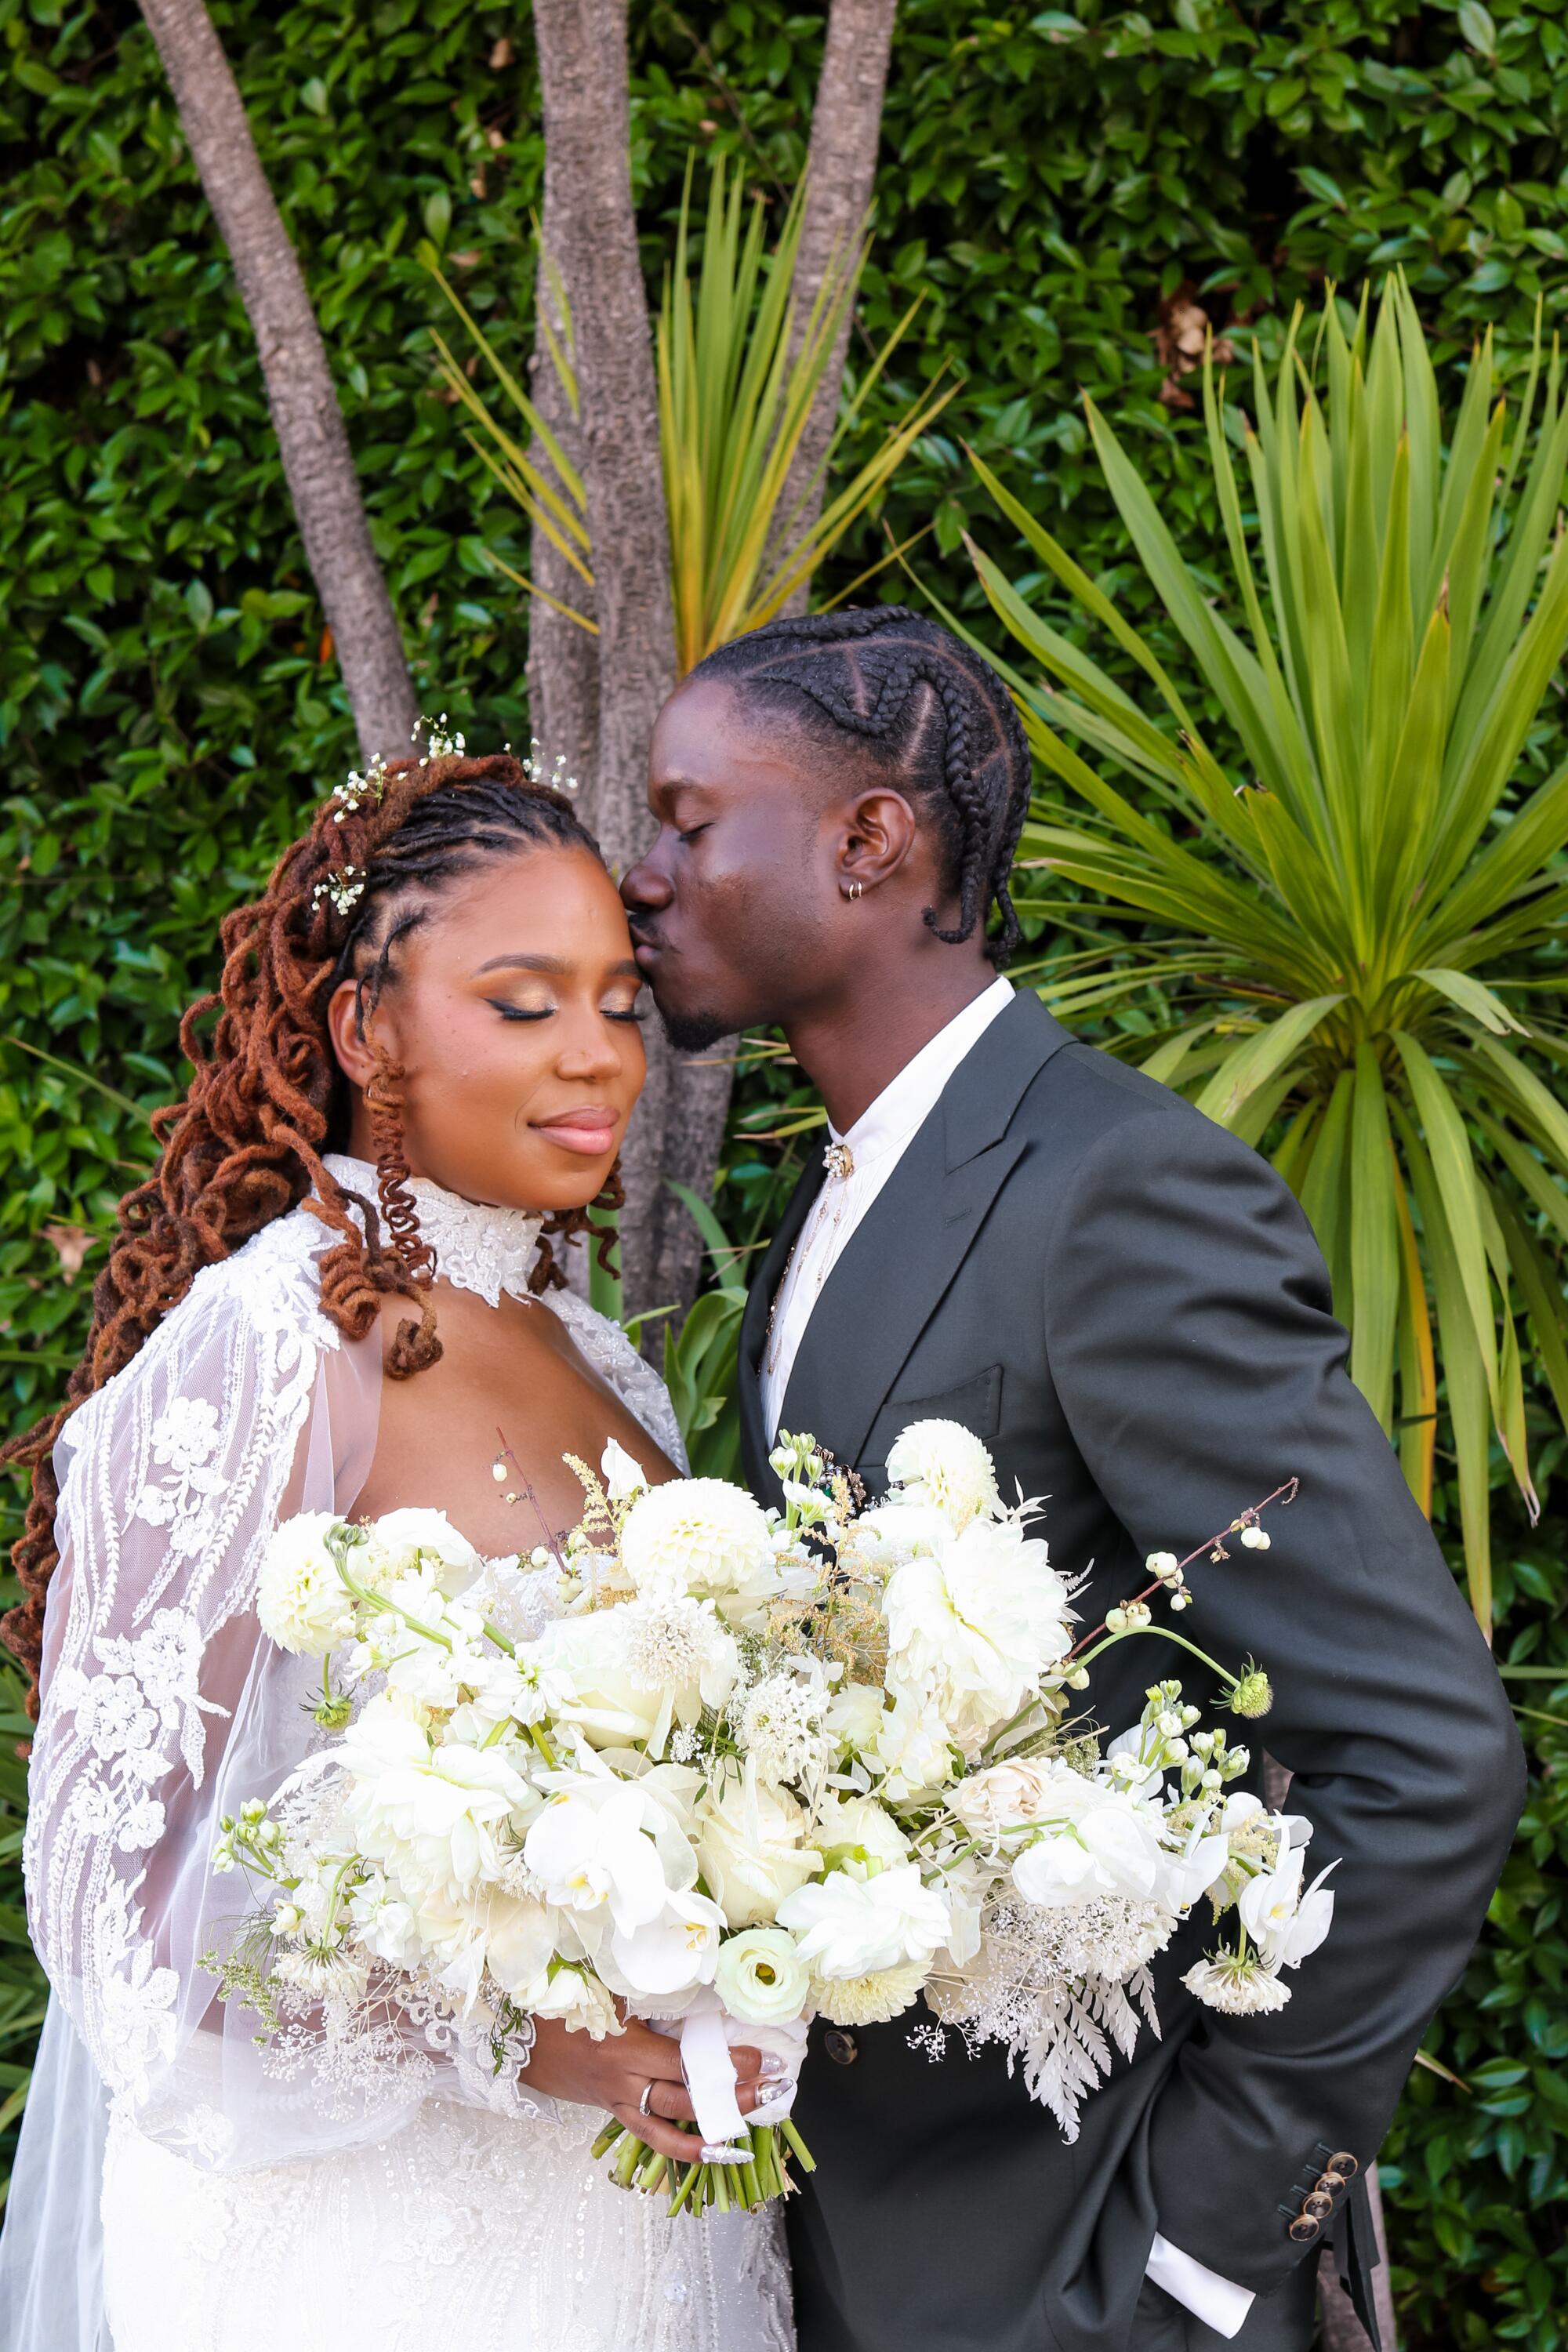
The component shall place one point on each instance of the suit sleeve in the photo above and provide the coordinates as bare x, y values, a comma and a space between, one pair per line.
1198, 1363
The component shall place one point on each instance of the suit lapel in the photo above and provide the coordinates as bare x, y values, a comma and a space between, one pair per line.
901, 1260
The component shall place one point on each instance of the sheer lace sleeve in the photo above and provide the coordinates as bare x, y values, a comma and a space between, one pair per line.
164, 1708
613, 1358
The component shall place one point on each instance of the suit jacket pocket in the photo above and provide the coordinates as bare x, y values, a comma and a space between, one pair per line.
977, 1403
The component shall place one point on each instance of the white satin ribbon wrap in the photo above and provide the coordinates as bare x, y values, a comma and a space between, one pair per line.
707, 2034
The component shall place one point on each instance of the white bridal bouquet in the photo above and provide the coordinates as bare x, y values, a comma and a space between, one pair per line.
757, 1766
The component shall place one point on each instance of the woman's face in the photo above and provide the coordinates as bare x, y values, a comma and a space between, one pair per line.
514, 1011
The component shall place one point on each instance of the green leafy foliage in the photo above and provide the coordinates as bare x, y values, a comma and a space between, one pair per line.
1057, 185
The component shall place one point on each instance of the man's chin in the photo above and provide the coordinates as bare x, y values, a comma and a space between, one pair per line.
693, 1032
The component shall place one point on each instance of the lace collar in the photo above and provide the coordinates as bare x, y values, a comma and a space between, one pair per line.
477, 1248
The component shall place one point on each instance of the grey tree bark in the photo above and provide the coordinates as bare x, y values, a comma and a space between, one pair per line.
1342, 2330
562, 657
317, 463
591, 233
841, 168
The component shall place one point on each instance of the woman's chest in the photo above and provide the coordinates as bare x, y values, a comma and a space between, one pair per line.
510, 1387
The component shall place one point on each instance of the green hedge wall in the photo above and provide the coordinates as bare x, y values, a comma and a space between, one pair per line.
1056, 187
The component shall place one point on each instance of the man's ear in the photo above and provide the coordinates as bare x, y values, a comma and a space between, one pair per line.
879, 839
356, 1056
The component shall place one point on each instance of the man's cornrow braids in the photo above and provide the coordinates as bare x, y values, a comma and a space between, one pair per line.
963, 751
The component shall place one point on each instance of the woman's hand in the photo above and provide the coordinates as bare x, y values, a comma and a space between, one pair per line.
614, 2073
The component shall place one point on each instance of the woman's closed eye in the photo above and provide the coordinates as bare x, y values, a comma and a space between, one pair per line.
620, 1010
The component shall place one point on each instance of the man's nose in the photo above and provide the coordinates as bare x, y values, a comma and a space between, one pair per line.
647, 886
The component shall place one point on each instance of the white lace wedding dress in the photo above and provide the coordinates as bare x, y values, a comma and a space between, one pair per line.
398, 2204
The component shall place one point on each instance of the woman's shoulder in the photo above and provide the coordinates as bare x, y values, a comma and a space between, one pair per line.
612, 1355
264, 1299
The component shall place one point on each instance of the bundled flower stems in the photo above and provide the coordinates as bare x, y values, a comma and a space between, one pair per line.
727, 1769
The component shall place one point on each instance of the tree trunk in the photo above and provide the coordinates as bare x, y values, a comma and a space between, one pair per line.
562, 657
841, 167
317, 461
1342, 2330
591, 233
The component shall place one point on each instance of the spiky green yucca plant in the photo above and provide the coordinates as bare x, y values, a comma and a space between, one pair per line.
1352, 899
737, 384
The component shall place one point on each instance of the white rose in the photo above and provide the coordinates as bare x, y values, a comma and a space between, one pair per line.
403, 1542
1002, 1797
701, 1537
750, 1849
1099, 1840
432, 1816
761, 1978
301, 1602
848, 1926
945, 1464
854, 1715
913, 1746
574, 1995
865, 1828
586, 1662
978, 1627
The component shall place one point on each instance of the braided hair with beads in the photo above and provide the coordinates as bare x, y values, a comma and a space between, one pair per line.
266, 1097
928, 713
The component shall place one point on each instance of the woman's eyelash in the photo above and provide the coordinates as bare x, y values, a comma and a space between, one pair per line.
520, 1011
636, 1013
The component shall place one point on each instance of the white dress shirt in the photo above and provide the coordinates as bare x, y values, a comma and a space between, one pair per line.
859, 1163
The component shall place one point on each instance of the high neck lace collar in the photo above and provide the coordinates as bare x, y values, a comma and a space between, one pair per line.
484, 1250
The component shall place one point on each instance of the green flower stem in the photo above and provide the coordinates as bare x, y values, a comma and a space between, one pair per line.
606, 2139
1163, 1633
630, 2157
689, 2183
751, 2187
720, 2178
804, 2156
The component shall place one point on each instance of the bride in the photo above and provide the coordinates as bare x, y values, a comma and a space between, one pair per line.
341, 1283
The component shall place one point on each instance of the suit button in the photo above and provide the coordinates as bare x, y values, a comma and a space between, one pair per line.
1318, 2205
841, 2047
1303, 2228
1344, 2164
1332, 2182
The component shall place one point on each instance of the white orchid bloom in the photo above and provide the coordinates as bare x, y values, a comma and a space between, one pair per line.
622, 1475
592, 1857
675, 1951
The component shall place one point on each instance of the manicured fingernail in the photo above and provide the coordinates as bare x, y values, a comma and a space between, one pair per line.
775, 2069
724, 2155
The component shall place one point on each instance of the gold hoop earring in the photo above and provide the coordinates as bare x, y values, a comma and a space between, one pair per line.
856, 890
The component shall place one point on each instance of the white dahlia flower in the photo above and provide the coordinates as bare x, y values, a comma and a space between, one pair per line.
945, 1464
870, 2000
702, 1537
300, 1599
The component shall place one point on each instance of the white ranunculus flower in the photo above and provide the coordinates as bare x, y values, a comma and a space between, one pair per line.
590, 1854
761, 1978
623, 1476
978, 1627
854, 1715
1099, 1840
432, 1816
701, 1537
300, 1599
402, 1542
862, 1826
945, 1464
913, 1746
750, 1847
851, 1926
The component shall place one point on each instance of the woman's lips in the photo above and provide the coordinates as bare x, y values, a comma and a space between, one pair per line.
590, 1130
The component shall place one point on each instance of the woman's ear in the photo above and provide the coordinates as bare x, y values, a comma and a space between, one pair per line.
356, 1055
881, 832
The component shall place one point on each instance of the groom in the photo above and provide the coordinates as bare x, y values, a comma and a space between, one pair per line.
1015, 1231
